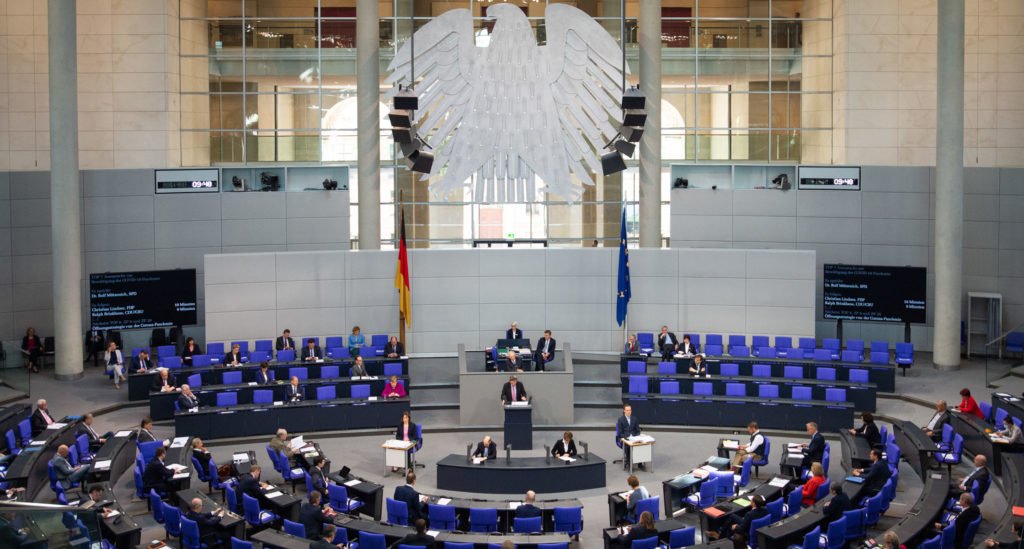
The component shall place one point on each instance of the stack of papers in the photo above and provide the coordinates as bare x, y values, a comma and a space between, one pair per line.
778, 482
479, 460
444, 501
102, 464
179, 442
624, 495
567, 459
731, 444
796, 455
519, 403
640, 438
700, 473
709, 468
240, 457
353, 482
396, 444
122, 434
513, 505
176, 467
274, 494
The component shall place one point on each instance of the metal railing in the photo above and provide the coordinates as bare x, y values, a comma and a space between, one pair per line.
998, 363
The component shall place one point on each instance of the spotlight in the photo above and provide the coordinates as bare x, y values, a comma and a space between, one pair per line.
612, 163
416, 158
625, 147
401, 135
238, 183
269, 182
330, 184
681, 183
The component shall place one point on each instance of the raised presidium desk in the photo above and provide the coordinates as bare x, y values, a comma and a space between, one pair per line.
519, 425
979, 440
882, 375
305, 416
161, 405
29, 469
502, 476
139, 385
716, 411
393, 533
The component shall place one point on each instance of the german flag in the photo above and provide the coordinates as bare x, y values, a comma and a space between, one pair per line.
402, 282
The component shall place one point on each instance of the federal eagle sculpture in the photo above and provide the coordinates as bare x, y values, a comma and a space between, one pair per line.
513, 109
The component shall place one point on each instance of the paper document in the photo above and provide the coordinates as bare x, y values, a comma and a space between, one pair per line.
240, 457
372, 398
479, 460
795, 455
624, 495
37, 443
519, 403
297, 443
700, 473
641, 438
176, 467
185, 474
122, 434
567, 459
179, 442
251, 384
731, 444
278, 403
779, 482
396, 444
997, 438
792, 445
433, 533
513, 505
709, 468
112, 513
353, 482
56, 426
444, 501
274, 494
102, 464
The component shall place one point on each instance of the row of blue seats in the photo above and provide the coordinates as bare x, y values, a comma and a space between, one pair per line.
336, 347
266, 396
726, 369
567, 520
639, 385
326, 372
806, 348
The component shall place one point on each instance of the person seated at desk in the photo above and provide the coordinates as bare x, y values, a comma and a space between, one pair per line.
814, 450
698, 367
514, 332
157, 476
280, 443
741, 526
313, 517
145, 433
359, 368
565, 446
512, 362
668, 343
201, 454
969, 513
528, 508
545, 351
420, 539
1018, 534
687, 348
636, 493
293, 393
65, 473
751, 449
979, 475
874, 477
868, 430
941, 417
114, 360
162, 383
643, 529
234, 358
85, 428
96, 493
187, 399
41, 417
311, 352
284, 341
839, 504
513, 391
1010, 431
326, 539
251, 484
968, 405
208, 523
486, 448
416, 503
190, 348
141, 363
393, 389
263, 375
317, 477
406, 431
632, 347
394, 348
809, 492
356, 340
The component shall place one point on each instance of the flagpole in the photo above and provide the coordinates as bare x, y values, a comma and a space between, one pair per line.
401, 314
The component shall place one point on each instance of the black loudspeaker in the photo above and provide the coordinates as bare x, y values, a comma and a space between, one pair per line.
632, 133
406, 100
401, 135
632, 117
633, 98
400, 118
612, 163
625, 147
420, 161
408, 149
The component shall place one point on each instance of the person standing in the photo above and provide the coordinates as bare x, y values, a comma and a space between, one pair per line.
626, 426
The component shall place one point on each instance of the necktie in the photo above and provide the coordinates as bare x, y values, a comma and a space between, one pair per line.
513, 392
46, 416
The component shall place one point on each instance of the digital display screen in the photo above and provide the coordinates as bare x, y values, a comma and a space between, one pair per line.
875, 293
842, 178
145, 299
187, 181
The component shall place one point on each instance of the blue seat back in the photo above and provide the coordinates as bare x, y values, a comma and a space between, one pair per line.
858, 375
745, 472
835, 394
259, 356
682, 537
823, 489
783, 343
877, 346
195, 380
327, 392
262, 396
822, 354
855, 345
442, 517
227, 398
190, 534
25, 431
172, 520
636, 367
201, 360
361, 391
714, 339
736, 389
334, 341
793, 502
702, 388
645, 543
398, 512
808, 344
483, 520
830, 343
265, 345
232, 378
759, 341
737, 340
739, 350
767, 352
836, 534
164, 351
801, 393
231, 497
171, 362
707, 493
669, 387
392, 369
793, 372
765, 452
904, 353
811, 538
667, 368
638, 385
729, 369
761, 370
526, 525
568, 520
713, 350
286, 355
369, 540
215, 349
645, 340
301, 373
879, 357
156, 505
851, 356
725, 482
775, 509
651, 504
933, 543
854, 523
873, 509
986, 409
756, 525
329, 372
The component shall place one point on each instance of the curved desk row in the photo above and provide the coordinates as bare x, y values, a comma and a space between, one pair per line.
915, 446
139, 385
121, 530
499, 476
856, 451
116, 456
882, 375
393, 533
786, 414
1013, 488
663, 527
161, 405
673, 489
318, 415
977, 440
10, 416
862, 396
1012, 404
28, 470
925, 512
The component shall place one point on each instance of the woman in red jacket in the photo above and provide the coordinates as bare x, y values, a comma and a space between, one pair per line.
968, 405
810, 490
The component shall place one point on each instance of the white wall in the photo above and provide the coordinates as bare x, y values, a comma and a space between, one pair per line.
470, 296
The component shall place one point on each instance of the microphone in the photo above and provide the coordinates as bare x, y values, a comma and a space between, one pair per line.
508, 454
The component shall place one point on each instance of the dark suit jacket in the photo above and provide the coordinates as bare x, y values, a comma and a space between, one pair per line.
62, 470
138, 364
506, 391
661, 341
638, 532
145, 436
627, 430
207, 522
408, 494
321, 544
962, 520
397, 348
156, 473
693, 349
412, 431
424, 540
528, 510
751, 516
870, 433
319, 480
551, 349
560, 448
312, 518
248, 485
186, 354
839, 504
876, 475
513, 365
293, 392
279, 344
92, 435
316, 352
981, 476
38, 423
944, 418
815, 450
158, 383
231, 358
517, 334
632, 348
263, 378
490, 452
186, 403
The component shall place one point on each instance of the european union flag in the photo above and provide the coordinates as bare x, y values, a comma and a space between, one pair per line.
624, 293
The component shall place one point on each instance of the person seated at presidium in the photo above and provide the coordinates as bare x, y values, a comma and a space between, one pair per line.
667, 343
284, 341
512, 362
486, 449
32, 348
41, 417
190, 348
632, 347
394, 348
359, 368
263, 375
545, 351
356, 340
293, 393
513, 391
393, 389
311, 352
114, 360
233, 358
698, 367
565, 446
968, 405
141, 362
514, 332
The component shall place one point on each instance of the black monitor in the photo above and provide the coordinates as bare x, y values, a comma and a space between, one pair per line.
509, 343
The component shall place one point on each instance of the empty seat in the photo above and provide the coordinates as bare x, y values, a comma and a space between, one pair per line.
801, 393
669, 387
713, 350
739, 350
736, 389
729, 369
826, 374
833, 346
851, 356
768, 390
767, 352
822, 355
645, 340
327, 392
858, 376
782, 345
392, 369
880, 357
636, 367
195, 380
757, 342
667, 368
329, 372
737, 340
835, 394
807, 345
879, 346
286, 355
702, 388
793, 372
262, 396
301, 373
361, 391
263, 345
638, 384
228, 398
171, 362
201, 360
232, 378
761, 370
714, 339
260, 356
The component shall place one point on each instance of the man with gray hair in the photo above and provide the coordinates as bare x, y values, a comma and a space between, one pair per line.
209, 523
969, 513
41, 418
280, 443
941, 417
514, 332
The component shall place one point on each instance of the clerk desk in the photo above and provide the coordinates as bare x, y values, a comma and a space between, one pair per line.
394, 532
506, 513
790, 415
977, 441
862, 396
503, 477
310, 415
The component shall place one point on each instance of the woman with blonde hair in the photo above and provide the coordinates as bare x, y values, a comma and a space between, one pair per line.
810, 489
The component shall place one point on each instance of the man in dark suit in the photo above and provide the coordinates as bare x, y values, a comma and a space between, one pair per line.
157, 476
250, 484
394, 348
486, 448
187, 399
874, 477
627, 426
85, 428
741, 526
141, 362
813, 451
293, 392
412, 499
631, 347
512, 362
514, 332
285, 341
311, 351
145, 433
208, 523
545, 351
65, 473
968, 514
528, 509
312, 516
941, 417
263, 374
234, 357
668, 343
979, 475
839, 504
686, 347
326, 540
41, 417
513, 391
162, 383
317, 477
420, 538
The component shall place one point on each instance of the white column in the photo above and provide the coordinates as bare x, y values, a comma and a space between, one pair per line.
649, 24
65, 202
368, 124
949, 185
